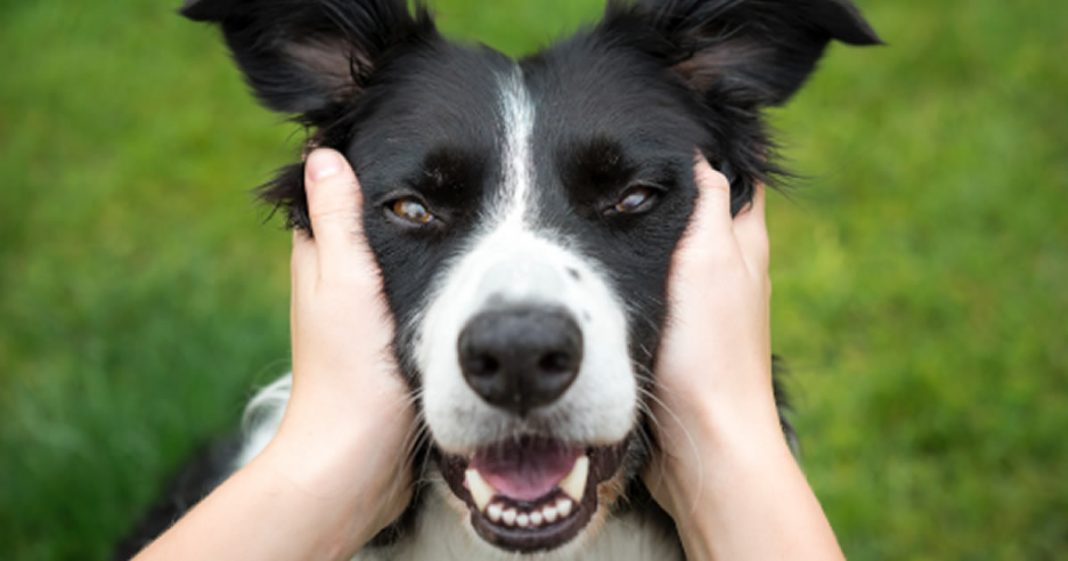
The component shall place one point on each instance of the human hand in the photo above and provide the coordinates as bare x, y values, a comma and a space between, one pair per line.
723, 470
349, 421
714, 366
337, 472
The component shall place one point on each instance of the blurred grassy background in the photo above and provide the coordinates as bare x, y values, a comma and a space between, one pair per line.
919, 275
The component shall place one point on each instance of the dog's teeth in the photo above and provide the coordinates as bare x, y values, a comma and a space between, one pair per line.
575, 482
494, 512
509, 517
481, 492
550, 513
563, 506
523, 520
536, 518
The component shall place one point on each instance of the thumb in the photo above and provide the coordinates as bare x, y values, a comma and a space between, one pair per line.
334, 206
711, 231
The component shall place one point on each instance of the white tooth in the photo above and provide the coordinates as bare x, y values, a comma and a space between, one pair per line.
574, 484
509, 517
550, 513
494, 512
563, 506
535, 518
481, 491
522, 520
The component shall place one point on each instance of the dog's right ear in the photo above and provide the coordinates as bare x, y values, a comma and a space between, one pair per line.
305, 56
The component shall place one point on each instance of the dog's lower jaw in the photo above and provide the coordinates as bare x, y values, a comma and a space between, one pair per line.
550, 492
442, 532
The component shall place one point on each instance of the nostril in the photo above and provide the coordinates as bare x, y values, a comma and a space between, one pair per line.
485, 365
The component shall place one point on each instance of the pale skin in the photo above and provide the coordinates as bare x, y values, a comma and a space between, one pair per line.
337, 472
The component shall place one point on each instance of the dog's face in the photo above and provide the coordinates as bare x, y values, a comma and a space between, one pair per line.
524, 213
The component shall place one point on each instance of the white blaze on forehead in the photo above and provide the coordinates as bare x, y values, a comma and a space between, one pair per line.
517, 116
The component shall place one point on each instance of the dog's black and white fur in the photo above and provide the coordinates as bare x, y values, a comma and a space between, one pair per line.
537, 196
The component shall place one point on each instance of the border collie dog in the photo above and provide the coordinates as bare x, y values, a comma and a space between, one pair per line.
524, 215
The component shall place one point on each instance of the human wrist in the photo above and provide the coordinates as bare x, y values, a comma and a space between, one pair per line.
714, 435
735, 398
335, 410
345, 466
753, 487
739, 458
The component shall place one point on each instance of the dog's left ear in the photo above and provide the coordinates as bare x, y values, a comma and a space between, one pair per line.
302, 56
758, 51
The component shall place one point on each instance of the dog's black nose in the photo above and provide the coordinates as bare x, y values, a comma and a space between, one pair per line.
521, 358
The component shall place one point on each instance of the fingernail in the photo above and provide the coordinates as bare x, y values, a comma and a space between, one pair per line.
323, 164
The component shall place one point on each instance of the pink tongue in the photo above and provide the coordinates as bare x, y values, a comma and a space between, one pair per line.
525, 471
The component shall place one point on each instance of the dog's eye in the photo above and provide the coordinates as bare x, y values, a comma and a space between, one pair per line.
636, 200
411, 210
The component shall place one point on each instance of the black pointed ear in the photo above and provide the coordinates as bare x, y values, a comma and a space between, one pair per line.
302, 56
761, 51
312, 58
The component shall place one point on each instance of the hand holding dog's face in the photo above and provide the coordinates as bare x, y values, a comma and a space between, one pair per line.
714, 368
349, 424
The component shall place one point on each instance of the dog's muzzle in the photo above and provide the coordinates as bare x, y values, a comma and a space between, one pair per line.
528, 388
519, 358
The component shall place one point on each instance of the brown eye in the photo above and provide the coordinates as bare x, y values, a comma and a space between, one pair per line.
411, 210
636, 200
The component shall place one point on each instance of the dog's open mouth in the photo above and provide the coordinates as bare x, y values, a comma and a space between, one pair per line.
531, 494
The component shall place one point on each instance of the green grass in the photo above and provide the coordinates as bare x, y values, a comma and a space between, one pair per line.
920, 273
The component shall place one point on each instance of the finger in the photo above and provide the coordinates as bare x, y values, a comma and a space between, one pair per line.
714, 187
304, 265
334, 205
710, 228
751, 231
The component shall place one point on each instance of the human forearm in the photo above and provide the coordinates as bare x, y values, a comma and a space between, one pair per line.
291, 502
337, 471
724, 471
749, 499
